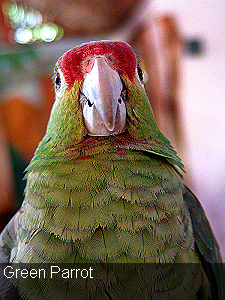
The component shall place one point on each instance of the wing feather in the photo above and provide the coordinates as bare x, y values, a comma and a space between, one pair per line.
206, 245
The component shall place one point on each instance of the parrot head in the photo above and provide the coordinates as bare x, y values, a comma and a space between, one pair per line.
101, 101
99, 69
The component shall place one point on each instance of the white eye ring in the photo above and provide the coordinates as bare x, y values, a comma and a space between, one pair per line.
145, 76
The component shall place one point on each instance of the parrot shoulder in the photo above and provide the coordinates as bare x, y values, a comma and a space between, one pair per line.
206, 245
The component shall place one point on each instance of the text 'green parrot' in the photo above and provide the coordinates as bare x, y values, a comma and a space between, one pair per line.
104, 191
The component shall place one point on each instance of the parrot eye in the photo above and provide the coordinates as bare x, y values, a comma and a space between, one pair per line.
140, 74
57, 80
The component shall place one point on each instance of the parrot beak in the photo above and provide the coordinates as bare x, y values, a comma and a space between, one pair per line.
102, 99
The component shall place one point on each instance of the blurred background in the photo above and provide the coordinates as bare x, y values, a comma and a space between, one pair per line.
182, 50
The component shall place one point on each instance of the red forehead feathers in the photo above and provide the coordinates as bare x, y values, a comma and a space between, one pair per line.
71, 61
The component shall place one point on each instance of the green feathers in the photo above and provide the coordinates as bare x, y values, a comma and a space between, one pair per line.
78, 184
123, 193
142, 127
66, 135
65, 126
110, 199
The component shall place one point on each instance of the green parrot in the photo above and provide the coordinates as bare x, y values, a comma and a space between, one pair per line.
104, 188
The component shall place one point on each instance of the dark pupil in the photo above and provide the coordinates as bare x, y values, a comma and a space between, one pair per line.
57, 81
140, 73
